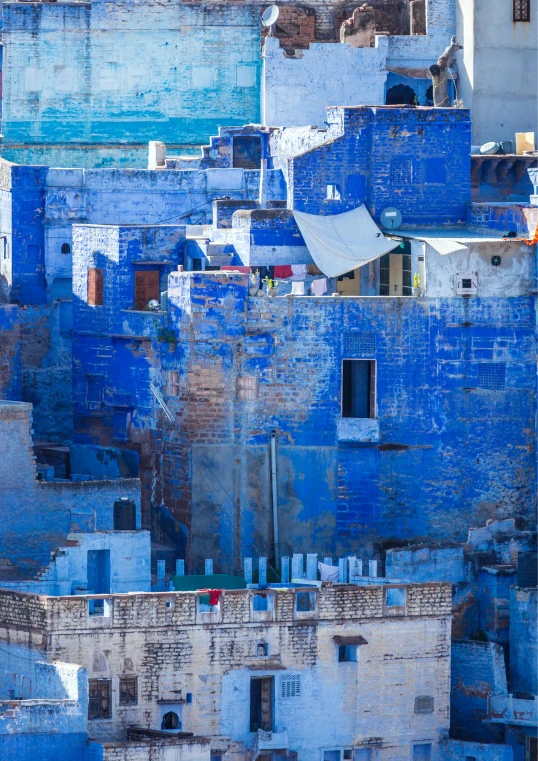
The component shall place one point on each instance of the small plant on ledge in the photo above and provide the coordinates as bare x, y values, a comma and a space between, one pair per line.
166, 336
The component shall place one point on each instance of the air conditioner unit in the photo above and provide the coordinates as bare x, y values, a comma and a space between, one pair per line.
466, 283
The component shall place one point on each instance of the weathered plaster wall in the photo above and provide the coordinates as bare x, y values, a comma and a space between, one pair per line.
498, 69
523, 640
41, 513
10, 352
296, 91
163, 641
439, 465
120, 73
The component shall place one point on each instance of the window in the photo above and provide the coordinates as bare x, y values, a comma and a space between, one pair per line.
246, 75
260, 602
173, 383
262, 650
422, 752
99, 699
358, 343
347, 653
362, 754
522, 10
121, 425
95, 287
470, 758
290, 686
492, 376
247, 152
424, 704
147, 288
247, 387
395, 597
171, 721
305, 602
99, 608
333, 193
202, 76
124, 515
358, 388
128, 690
531, 751
66, 248
402, 171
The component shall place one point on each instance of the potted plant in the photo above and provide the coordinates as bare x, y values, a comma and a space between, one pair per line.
254, 285
417, 289
272, 286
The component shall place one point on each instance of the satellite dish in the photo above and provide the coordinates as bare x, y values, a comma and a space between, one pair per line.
154, 305
391, 218
489, 148
270, 15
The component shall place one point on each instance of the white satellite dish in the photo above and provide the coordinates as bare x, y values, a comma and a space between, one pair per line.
270, 16
489, 148
391, 218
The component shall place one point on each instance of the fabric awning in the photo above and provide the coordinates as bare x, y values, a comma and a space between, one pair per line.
358, 640
342, 242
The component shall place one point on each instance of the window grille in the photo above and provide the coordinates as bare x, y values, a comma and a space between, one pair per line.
359, 344
128, 690
402, 171
522, 10
173, 383
492, 376
247, 387
424, 704
290, 686
99, 699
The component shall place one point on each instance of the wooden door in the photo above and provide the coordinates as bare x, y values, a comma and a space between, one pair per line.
147, 287
267, 704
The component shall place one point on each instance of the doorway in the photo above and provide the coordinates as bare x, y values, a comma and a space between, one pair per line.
261, 703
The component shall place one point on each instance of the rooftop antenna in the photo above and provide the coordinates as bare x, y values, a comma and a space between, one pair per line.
269, 17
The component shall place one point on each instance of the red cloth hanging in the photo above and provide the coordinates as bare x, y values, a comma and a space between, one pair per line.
214, 595
283, 271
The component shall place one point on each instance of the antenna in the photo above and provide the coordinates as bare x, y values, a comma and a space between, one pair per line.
391, 218
269, 17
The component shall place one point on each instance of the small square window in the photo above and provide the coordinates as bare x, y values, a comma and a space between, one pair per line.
260, 602
333, 193
348, 754
66, 248
202, 77
247, 387
402, 171
362, 754
246, 75
290, 686
128, 690
99, 699
395, 597
305, 602
424, 704
99, 608
173, 383
521, 10
422, 752
347, 653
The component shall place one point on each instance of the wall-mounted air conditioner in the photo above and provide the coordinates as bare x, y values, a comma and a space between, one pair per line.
466, 283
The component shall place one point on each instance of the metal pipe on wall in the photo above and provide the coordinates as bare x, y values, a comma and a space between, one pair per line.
274, 495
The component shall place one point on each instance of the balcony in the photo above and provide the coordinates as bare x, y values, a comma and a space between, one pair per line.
506, 709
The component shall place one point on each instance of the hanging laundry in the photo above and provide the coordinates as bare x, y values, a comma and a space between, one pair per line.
318, 287
328, 572
297, 289
282, 272
299, 271
210, 596
313, 269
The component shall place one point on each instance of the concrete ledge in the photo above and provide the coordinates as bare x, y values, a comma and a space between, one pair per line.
357, 429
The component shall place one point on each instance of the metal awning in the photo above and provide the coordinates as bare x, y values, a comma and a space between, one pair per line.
358, 640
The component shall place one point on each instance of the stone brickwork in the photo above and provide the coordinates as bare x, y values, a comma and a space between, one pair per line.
175, 652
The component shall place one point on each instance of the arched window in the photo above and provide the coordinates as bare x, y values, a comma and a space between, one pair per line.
171, 721
66, 248
400, 95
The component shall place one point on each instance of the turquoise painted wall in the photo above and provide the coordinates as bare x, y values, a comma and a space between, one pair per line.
113, 74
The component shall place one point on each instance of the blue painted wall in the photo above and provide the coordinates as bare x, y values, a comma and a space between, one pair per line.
10, 362
108, 74
415, 159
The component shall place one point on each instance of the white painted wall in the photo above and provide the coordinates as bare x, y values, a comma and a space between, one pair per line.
498, 68
296, 91
513, 277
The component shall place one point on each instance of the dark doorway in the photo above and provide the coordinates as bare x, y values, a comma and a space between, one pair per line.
170, 721
124, 515
247, 152
261, 704
99, 571
400, 95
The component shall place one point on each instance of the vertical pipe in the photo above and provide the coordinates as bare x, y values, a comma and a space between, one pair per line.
274, 495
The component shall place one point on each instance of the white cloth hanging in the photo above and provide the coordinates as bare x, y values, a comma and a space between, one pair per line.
328, 572
318, 287
342, 242
297, 289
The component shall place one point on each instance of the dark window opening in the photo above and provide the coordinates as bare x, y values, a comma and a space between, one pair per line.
147, 288
128, 690
247, 152
422, 752
424, 704
99, 699
429, 96
124, 515
261, 704
121, 425
401, 95
171, 721
66, 248
532, 749
522, 10
196, 265
466, 282
305, 602
347, 653
358, 388
95, 287
262, 650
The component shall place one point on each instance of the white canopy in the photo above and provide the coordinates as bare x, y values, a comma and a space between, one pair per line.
342, 242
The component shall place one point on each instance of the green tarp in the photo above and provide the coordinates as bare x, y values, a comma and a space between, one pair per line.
214, 581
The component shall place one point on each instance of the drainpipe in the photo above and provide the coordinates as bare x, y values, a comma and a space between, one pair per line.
275, 498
